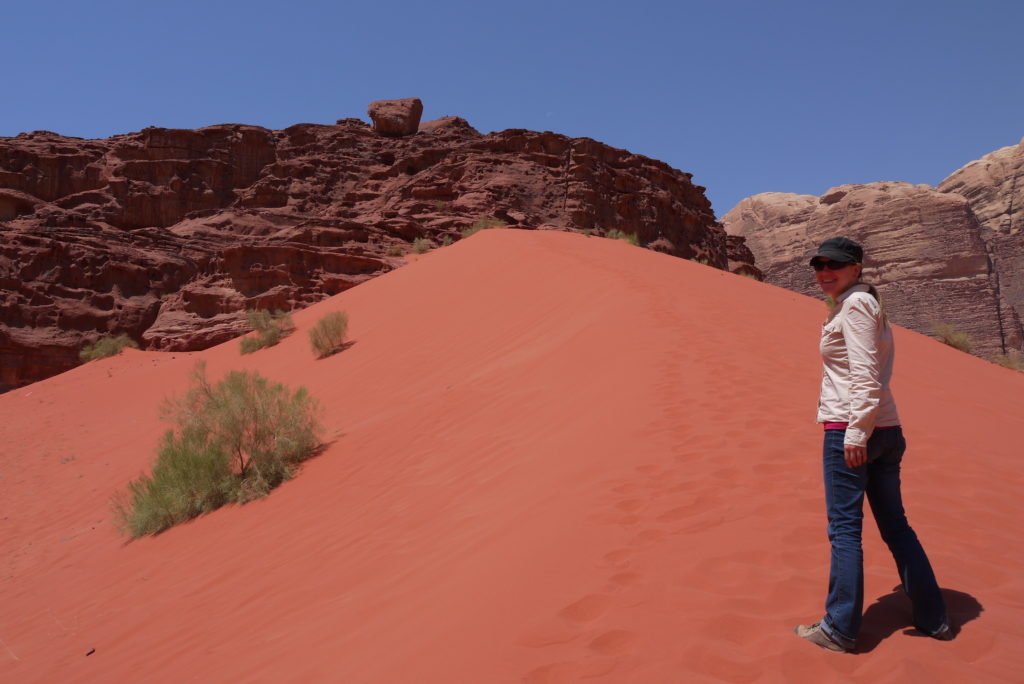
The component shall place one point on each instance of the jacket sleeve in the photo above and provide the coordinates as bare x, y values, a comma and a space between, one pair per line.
861, 323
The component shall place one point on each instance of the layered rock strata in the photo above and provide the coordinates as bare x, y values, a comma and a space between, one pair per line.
994, 188
169, 235
925, 253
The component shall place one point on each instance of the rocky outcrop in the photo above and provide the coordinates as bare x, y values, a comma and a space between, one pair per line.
169, 235
741, 259
924, 251
994, 188
396, 117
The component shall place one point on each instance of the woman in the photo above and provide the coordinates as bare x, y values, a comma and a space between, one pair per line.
863, 448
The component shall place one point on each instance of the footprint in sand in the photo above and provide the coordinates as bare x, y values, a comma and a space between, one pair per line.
729, 474
688, 456
631, 505
648, 536
625, 579
549, 635
619, 556
657, 487
614, 642
586, 609
693, 441
682, 512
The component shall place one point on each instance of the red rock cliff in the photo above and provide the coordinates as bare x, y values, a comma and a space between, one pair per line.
169, 235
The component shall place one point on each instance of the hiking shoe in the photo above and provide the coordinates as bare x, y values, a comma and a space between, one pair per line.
943, 633
814, 634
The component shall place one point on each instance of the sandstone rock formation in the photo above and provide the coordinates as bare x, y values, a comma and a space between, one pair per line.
925, 253
994, 187
168, 235
396, 117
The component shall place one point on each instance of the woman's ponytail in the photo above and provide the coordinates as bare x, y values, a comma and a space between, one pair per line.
873, 291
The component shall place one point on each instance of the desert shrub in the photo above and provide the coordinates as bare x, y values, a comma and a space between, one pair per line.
395, 250
250, 344
270, 329
586, 232
616, 234
482, 223
447, 240
421, 245
231, 442
954, 337
262, 320
189, 478
328, 335
1014, 360
439, 205
106, 346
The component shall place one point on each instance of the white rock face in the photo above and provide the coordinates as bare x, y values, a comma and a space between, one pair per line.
924, 251
994, 187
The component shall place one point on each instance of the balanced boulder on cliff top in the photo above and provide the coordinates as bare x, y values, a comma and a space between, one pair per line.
396, 117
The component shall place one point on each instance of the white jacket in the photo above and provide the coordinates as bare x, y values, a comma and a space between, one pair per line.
857, 351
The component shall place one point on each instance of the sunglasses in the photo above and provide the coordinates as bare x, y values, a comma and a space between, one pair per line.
830, 265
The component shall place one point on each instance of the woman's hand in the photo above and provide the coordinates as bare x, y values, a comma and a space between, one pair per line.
855, 455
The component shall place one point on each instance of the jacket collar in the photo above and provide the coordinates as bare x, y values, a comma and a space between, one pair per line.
856, 287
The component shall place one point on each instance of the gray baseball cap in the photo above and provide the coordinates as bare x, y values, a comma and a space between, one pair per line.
840, 249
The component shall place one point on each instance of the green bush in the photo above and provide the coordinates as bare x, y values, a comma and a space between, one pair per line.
482, 223
954, 337
421, 245
439, 205
395, 250
616, 234
328, 335
231, 442
1014, 360
270, 329
106, 346
447, 240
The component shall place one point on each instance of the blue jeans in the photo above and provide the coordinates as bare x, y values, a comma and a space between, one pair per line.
845, 487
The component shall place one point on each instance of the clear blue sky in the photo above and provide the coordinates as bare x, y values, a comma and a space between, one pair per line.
748, 96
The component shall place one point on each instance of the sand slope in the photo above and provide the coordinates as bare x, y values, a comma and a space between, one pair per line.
552, 458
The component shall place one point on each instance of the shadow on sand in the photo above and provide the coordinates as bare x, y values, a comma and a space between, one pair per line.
892, 612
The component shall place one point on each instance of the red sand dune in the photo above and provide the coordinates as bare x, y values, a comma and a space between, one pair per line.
552, 458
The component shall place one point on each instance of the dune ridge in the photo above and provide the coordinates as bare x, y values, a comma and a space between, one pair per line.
551, 458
